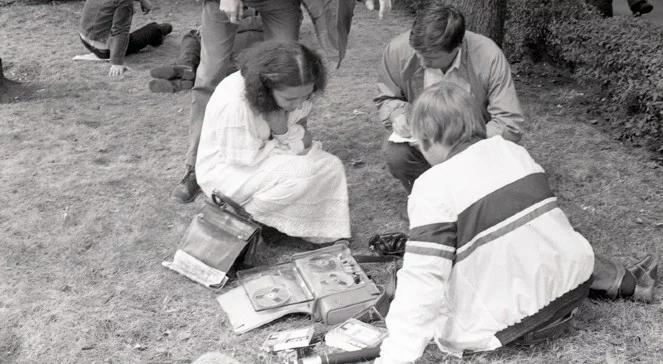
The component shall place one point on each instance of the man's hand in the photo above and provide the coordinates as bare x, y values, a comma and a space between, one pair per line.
385, 6
145, 6
233, 9
400, 126
117, 70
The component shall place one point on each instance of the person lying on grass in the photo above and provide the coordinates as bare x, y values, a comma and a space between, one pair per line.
105, 27
255, 147
491, 258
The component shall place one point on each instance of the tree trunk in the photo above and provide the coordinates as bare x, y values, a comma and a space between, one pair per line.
2, 73
483, 16
604, 6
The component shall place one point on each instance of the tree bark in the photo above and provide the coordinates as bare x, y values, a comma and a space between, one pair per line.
483, 16
4, 82
604, 6
2, 73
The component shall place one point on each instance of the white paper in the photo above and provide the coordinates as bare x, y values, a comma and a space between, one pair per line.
192, 268
395, 138
90, 57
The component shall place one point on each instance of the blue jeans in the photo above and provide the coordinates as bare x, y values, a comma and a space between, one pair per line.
281, 20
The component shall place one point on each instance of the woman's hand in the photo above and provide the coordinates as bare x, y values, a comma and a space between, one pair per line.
278, 122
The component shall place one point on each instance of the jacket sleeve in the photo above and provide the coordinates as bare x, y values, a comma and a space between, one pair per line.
391, 98
418, 310
119, 34
506, 116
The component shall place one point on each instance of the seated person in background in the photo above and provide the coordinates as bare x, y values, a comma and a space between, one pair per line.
438, 48
105, 26
180, 75
255, 148
491, 258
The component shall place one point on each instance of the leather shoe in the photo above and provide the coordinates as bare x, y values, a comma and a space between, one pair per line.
187, 190
645, 273
165, 28
172, 72
641, 7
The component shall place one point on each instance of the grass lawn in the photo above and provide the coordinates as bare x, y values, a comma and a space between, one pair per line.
86, 166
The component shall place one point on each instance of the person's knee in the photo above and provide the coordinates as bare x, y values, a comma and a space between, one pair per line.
396, 156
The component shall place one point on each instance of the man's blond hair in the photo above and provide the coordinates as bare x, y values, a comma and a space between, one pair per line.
447, 114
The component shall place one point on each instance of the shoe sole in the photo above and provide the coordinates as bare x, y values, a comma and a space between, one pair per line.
189, 200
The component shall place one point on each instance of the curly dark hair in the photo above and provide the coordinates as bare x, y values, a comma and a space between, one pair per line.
272, 65
437, 27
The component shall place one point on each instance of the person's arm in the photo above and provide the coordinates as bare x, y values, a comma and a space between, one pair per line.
506, 116
418, 309
391, 102
234, 137
119, 34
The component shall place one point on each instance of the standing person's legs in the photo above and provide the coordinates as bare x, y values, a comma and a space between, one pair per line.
406, 163
281, 19
151, 34
217, 35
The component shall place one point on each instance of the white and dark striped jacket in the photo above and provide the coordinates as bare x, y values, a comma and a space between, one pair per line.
489, 249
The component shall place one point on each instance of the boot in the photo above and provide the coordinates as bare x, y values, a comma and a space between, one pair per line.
187, 190
645, 273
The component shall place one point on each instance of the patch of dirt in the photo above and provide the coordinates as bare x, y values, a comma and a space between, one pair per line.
86, 167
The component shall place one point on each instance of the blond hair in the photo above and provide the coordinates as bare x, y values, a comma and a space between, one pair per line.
447, 114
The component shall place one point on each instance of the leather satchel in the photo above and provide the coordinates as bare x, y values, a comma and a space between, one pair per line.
220, 239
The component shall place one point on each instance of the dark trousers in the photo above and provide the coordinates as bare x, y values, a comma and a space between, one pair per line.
190, 50
150, 34
406, 163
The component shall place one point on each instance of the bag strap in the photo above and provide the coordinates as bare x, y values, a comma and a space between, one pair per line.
223, 201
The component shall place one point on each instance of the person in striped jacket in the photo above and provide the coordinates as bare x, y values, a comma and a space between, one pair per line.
491, 259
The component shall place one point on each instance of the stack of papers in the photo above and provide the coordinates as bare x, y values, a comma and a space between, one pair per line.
355, 335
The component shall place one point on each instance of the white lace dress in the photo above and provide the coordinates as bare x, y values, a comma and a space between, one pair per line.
300, 192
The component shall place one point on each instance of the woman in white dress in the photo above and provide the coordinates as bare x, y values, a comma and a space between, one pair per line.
255, 148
